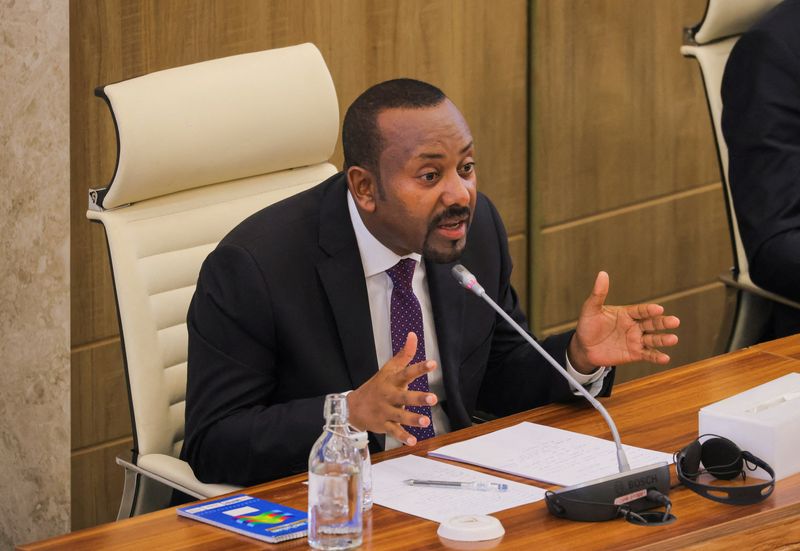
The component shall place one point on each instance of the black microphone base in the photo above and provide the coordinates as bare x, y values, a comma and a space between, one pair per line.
602, 498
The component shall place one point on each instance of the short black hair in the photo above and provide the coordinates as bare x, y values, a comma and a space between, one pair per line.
361, 137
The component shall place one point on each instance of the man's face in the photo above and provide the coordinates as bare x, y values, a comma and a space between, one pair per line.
425, 199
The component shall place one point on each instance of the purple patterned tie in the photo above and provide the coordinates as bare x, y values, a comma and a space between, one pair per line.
406, 318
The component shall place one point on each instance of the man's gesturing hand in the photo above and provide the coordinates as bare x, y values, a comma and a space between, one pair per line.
377, 405
614, 335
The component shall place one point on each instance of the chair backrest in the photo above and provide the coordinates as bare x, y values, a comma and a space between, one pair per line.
711, 42
200, 148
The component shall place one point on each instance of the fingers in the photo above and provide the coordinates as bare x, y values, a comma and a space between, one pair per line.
655, 356
660, 323
658, 340
398, 393
405, 354
411, 372
599, 291
400, 434
414, 398
387, 395
397, 429
651, 342
644, 311
407, 417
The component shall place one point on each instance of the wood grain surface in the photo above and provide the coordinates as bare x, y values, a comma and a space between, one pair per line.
624, 174
650, 251
620, 117
657, 412
788, 347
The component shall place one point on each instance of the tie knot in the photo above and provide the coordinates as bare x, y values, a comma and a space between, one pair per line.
402, 273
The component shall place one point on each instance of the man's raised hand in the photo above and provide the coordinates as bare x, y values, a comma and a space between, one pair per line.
378, 404
612, 335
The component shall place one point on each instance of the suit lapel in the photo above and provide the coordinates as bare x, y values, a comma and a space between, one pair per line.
447, 301
342, 277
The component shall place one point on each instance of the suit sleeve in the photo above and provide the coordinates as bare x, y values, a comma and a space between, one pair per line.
761, 125
234, 432
517, 376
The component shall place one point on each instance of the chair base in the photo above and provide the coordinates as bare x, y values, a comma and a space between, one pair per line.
128, 500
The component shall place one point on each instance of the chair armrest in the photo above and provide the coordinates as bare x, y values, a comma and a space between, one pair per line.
176, 474
751, 287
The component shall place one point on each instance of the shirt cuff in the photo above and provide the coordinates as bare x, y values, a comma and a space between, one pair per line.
592, 382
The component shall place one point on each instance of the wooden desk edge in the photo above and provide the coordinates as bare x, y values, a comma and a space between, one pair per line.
738, 527
722, 530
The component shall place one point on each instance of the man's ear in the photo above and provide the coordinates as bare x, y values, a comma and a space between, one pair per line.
363, 187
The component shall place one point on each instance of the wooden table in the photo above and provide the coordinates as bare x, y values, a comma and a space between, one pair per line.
657, 412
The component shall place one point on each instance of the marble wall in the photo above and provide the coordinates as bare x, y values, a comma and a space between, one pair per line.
34, 270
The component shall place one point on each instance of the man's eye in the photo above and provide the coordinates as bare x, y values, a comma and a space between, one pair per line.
467, 168
430, 176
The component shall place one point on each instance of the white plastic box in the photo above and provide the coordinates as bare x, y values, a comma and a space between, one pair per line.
764, 420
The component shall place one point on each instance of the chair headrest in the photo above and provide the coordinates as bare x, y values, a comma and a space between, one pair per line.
220, 120
725, 18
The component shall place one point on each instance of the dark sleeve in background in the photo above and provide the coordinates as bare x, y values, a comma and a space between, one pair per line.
517, 377
234, 432
761, 125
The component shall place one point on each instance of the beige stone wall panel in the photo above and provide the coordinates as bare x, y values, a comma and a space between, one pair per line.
34, 244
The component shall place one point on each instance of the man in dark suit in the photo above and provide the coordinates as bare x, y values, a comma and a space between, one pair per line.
761, 124
299, 301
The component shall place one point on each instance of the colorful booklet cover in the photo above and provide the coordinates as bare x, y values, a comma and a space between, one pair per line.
251, 516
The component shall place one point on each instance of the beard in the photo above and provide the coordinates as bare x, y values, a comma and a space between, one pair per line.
453, 249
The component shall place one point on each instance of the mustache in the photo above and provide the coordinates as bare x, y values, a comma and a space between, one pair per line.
451, 212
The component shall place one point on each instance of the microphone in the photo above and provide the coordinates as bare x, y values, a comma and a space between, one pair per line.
469, 282
575, 502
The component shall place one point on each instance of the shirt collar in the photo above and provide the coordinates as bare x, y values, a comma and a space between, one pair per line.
375, 256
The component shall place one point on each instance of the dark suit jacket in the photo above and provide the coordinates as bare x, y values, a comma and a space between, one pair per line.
761, 124
280, 318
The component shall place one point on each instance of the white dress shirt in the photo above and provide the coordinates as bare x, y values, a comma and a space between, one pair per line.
376, 258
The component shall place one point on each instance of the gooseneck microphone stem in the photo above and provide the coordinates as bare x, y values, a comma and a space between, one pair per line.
469, 282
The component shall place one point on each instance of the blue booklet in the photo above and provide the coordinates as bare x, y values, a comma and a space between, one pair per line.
251, 516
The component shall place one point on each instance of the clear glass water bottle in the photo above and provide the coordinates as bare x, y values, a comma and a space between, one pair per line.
361, 441
334, 483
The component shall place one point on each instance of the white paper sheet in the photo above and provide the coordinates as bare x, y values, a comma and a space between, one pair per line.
440, 504
547, 454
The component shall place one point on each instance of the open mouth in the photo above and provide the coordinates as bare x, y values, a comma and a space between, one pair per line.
452, 229
452, 225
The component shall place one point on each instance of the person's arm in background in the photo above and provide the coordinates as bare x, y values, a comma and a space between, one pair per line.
761, 125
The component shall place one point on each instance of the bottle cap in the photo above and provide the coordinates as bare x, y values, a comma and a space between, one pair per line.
471, 528
360, 438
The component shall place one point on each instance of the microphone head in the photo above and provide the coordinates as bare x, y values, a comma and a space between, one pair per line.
466, 279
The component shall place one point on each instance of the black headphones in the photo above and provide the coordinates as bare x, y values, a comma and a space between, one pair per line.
724, 460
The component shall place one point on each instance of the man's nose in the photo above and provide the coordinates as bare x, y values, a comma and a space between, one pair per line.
456, 190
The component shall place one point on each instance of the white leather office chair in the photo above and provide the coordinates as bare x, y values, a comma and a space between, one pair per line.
200, 148
710, 42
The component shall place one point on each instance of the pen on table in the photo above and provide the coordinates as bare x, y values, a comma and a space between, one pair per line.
482, 486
